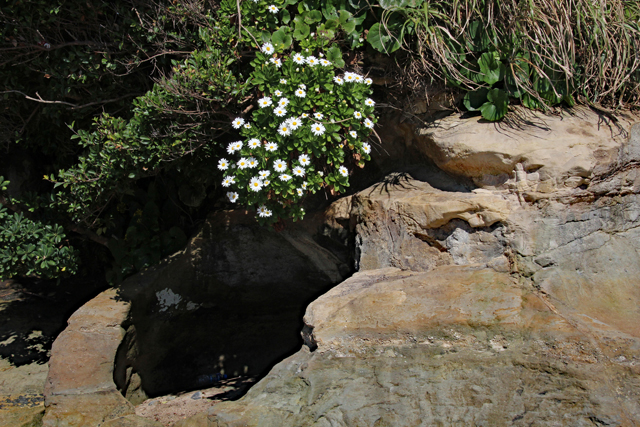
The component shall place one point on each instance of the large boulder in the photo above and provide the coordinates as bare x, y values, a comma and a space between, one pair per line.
80, 388
231, 303
512, 304
549, 152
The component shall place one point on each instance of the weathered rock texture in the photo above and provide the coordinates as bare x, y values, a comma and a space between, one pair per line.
512, 304
231, 303
80, 390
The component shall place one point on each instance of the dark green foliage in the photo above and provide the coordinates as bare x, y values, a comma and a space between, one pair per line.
30, 247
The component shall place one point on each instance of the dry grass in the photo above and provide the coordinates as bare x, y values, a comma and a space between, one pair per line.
593, 46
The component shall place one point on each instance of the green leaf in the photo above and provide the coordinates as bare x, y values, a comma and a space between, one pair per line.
280, 38
530, 102
474, 100
496, 106
329, 10
396, 4
301, 31
313, 16
286, 16
334, 54
491, 68
382, 40
344, 16
331, 24
349, 26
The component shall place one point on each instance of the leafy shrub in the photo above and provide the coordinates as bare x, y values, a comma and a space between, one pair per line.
309, 128
32, 248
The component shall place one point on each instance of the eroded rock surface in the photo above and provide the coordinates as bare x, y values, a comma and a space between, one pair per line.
79, 390
512, 304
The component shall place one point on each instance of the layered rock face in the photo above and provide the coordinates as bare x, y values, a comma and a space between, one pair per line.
515, 303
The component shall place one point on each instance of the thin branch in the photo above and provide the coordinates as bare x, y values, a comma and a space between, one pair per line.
73, 106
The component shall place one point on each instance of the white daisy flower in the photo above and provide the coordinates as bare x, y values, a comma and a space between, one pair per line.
284, 177
302, 86
349, 77
271, 146
304, 160
369, 102
368, 123
267, 48
353, 134
343, 171
284, 129
298, 59
294, 123
324, 62
279, 111
357, 114
276, 61
223, 164
238, 145
358, 78
228, 181
264, 174
277, 93
265, 183
283, 81
304, 115
243, 163
237, 123
247, 125
264, 212
232, 196
300, 93
253, 163
368, 81
273, 9
317, 129
253, 143
299, 191
233, 147
298, 171
264, 102
255, 184
318, 116
338, 80
312, 61
366, 148
283, 102
304, 185
280, 165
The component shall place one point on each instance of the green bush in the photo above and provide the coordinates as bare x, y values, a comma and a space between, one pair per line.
32, 248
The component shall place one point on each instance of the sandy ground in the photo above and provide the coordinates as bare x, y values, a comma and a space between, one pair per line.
170, 409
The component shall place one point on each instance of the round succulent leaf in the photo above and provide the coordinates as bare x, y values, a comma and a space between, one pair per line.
475, 99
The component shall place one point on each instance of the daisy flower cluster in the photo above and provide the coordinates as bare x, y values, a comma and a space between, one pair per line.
309, 130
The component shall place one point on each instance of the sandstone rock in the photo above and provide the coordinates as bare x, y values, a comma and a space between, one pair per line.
455, 345
234, 298
79, 390
131, 421
21, 417
407, 223
560, 149
530, 319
